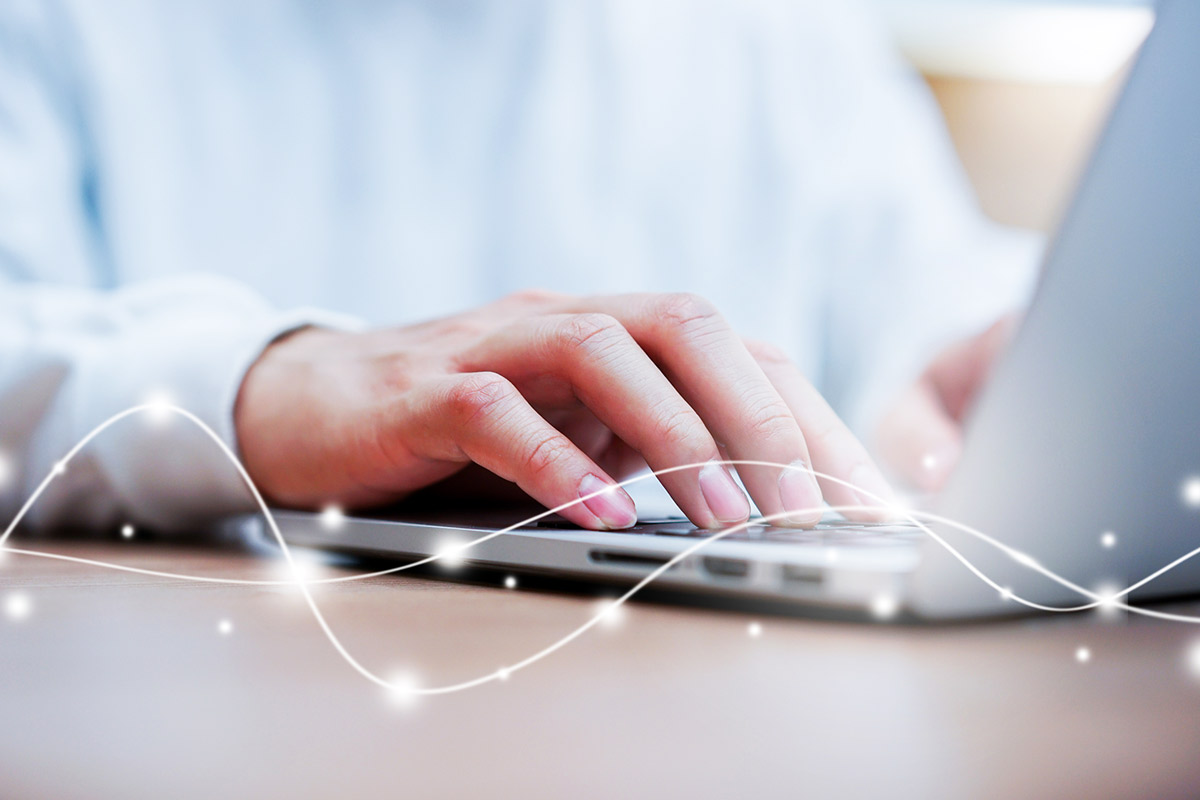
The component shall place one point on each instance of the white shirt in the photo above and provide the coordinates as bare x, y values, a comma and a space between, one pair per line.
182, 181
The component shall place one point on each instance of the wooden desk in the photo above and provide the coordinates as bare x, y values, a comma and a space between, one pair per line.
119, 685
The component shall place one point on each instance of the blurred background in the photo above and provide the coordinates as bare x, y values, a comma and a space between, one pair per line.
202, 690
1024, 86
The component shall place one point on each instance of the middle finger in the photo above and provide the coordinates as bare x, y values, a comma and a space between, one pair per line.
709, 365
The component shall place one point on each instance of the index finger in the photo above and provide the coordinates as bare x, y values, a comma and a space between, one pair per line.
709, 365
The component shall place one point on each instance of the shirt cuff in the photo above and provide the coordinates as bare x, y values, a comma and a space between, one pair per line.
168, 473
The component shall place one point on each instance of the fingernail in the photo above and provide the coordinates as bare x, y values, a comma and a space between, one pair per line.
613, 506
870, 488
725, 498
800, 495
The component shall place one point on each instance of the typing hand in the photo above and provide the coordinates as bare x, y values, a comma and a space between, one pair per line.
560, 395
920, 437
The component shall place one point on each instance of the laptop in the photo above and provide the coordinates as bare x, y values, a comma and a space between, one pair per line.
1081, 457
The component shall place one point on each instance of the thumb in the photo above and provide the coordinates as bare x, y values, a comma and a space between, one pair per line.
918, 439
959, 372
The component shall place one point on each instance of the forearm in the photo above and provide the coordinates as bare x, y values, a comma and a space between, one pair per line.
73, 358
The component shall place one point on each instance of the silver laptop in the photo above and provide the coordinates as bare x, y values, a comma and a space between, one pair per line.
1078, 453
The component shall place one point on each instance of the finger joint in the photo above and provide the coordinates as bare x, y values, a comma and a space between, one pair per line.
479, 395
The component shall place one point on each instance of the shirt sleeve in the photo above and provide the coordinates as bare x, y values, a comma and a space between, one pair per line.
917, 265
74, 352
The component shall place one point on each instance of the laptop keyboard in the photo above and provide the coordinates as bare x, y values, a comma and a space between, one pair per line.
828, 532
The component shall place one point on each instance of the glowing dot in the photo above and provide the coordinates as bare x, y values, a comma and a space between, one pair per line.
510, 582
502, 673
18, 606
1191, 491
1193, 659
831, 555
224, 627
611, 613
158, 406
402, 690
1108, 540
884, 606
451, 555
929, 461
1108, 596
332, 517
754, 629
897, 509
1006, 593
1083, 655
304, 567
127, 531
60, 467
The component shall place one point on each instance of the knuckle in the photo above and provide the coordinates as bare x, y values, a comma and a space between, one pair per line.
582, 331
480, 394
686, 310
769, 418
546, 454
681, 427
766, 353
459, 328
528, 297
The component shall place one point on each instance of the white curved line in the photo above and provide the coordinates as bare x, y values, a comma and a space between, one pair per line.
909, 515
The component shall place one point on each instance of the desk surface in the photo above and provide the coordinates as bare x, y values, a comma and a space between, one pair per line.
120, 685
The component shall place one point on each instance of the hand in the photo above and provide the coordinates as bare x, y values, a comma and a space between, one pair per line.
920, 437
562, 396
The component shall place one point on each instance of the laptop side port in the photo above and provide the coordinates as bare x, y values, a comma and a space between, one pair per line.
618, 558
726, 567
802, 574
